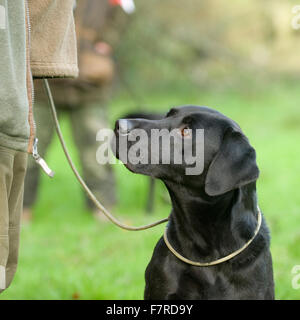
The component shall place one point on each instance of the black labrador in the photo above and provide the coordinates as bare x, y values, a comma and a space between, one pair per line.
213, 214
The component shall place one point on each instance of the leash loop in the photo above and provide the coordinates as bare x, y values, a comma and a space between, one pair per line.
218, 261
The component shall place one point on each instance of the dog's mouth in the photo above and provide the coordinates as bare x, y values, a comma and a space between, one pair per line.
118, 145
122, 131
121, 146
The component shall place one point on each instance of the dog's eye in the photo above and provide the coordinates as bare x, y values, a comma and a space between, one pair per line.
185, 132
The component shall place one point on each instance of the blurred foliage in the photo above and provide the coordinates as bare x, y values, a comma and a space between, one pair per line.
203, 42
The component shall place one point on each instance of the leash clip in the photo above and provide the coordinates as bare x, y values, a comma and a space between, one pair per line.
40, 161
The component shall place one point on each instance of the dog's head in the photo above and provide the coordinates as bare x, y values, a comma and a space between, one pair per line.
215, 144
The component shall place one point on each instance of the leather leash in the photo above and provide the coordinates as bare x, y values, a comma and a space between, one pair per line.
131, 228
81, 181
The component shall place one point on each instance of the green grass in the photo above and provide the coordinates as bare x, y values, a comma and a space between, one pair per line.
65, 254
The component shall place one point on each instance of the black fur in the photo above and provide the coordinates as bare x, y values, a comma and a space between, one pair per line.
213, 214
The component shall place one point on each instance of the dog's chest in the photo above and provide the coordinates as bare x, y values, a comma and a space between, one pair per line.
204, 283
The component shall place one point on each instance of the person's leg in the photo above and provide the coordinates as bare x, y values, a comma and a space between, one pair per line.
12, 172
86, 122
6, 177
15, 204
44, 132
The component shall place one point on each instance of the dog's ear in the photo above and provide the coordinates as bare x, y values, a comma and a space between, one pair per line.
233, 166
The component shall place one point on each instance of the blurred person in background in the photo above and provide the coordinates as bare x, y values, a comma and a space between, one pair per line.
84, 100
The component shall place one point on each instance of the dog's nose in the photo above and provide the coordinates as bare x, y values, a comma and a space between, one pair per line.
124, 126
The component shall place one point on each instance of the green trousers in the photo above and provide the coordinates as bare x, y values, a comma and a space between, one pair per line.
12, 172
